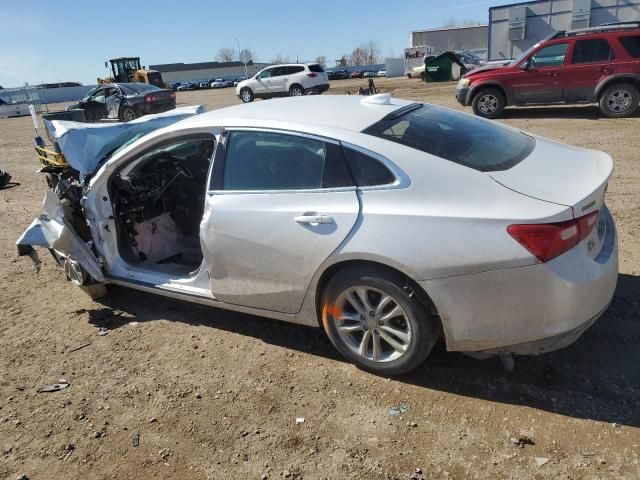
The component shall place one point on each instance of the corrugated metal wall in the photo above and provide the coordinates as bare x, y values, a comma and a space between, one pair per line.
546, 17
207, 74
466, 38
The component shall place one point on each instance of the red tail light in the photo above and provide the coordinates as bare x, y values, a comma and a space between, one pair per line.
150, 98
173, 94
312, 75
549, 240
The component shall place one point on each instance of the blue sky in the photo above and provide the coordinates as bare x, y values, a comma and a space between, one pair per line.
69, 40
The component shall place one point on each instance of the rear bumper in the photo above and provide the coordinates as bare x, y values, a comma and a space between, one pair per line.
321, 88
462, 95
528, 310
148, 108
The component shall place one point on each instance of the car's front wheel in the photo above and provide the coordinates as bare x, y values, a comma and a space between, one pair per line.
377, 322
619, 100
246, 95
296, 91
488, 103
127, 114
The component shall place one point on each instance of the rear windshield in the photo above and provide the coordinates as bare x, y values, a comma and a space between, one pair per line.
316, 68
139, 87
463, 139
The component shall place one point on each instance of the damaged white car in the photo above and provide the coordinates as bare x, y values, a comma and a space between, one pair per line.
388, 223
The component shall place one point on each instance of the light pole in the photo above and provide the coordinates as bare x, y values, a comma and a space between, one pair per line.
246, 74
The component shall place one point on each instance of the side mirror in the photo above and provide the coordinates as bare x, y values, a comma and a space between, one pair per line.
528, 65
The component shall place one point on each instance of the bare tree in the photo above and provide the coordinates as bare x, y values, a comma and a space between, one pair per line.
226, 54
322, 60
279, 58
251, 55
373, 52
342, 61
359, 55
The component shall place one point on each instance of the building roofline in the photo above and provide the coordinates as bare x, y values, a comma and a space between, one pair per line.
182, 67
518, 4
443, 29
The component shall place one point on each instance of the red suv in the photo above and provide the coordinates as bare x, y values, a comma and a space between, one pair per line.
599, 64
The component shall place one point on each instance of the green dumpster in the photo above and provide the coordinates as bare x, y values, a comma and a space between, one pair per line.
441, 68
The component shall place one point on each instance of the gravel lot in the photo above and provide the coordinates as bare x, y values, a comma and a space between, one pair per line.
205, 393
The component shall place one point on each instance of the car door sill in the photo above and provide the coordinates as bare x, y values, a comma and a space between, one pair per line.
208, 300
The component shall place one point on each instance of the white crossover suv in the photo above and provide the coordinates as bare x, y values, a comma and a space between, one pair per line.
284, 80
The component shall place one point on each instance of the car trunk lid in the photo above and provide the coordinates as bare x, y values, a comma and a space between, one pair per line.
561, 174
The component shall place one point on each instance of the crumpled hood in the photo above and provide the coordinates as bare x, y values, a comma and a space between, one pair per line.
85, 144
486, 68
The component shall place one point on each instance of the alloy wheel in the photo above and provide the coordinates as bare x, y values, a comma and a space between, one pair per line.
246, 96
488, 104
296, 92
619, 101
372, 324
128, 115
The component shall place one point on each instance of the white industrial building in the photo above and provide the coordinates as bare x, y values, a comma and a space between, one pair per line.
472, 38
203, 71
514, 28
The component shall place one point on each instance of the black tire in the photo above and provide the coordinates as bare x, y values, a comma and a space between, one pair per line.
127, 114
619, 100
421, 327
489, 103
246, 95
296, 90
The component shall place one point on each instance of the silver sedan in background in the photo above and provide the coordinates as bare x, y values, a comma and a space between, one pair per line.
386, 222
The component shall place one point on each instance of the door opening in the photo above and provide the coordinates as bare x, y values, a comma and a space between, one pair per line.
158, 203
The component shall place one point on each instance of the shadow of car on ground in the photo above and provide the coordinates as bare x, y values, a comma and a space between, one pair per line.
596, 378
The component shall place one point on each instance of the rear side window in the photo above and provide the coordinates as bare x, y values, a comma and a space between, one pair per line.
279, 71
453, 136
631, 45
296, 69
367, 171
590, 51
275, 161
316, 68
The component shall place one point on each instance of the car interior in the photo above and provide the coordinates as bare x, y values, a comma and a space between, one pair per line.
158, 203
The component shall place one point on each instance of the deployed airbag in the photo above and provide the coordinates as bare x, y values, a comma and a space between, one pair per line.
85, 144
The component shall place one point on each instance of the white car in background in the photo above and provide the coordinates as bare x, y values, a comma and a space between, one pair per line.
382, 73
292, 80
388, 223
219, 83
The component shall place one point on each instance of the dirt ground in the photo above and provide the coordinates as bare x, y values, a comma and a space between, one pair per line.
175, 390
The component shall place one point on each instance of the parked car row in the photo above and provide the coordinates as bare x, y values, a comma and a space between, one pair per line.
211, 83
344, 74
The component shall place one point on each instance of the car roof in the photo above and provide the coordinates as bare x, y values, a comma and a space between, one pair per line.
346, 112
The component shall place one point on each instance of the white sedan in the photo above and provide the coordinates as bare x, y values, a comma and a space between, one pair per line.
388, 223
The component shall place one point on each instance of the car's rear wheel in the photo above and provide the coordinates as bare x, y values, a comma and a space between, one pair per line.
377, 322
246, 95
296, 91
619, 100
127, 114
488, 103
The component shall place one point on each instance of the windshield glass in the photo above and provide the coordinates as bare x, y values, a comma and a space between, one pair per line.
453, 136
139, 87
526, 53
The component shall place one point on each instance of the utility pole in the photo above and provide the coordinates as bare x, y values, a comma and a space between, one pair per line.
246, 74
